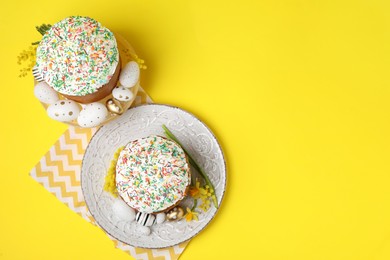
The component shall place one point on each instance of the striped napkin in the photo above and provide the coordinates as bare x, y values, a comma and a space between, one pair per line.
59, 172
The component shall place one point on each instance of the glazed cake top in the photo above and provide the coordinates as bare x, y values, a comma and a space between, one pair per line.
77, 56
152, 174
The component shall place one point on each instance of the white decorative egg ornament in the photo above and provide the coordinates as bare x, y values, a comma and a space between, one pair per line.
144, 230
160, 218
122, 94
129, 75
63, 110
123, 211
44, 93
92, 115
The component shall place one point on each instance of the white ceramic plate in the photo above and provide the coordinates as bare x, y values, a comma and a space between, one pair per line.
139, 122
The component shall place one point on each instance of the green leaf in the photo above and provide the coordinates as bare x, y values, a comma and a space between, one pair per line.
193, 163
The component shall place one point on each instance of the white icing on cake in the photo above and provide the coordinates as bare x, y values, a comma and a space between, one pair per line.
152, 174
77, 56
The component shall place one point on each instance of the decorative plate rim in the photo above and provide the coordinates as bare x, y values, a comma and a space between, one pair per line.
223, 188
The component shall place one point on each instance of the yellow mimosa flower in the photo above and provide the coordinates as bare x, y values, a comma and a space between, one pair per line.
191, 215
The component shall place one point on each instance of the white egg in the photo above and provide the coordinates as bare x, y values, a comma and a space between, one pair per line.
92, 115
63, 110
144, 230
122, 94
129, 75
160, 218
45, 93
123, 211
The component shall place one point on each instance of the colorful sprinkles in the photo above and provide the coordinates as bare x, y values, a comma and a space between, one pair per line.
77, 56
152, 174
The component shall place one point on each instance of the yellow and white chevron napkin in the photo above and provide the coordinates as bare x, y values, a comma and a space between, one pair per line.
59, 172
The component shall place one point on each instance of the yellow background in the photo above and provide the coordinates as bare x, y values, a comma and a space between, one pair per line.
296, 91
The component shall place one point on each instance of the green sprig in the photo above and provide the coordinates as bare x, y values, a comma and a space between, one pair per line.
194, 164
195, 204
43, 28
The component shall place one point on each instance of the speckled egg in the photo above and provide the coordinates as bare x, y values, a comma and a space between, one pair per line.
175, 214
92, 115
129, 75
63, 110
45, 93
122, 94
123, 211
114, 106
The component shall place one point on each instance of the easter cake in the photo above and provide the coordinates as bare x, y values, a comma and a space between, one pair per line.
79, 58
79, 74
152, 175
